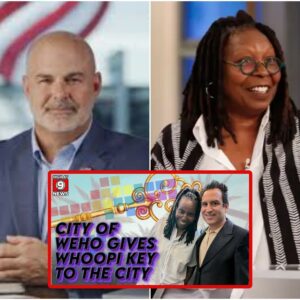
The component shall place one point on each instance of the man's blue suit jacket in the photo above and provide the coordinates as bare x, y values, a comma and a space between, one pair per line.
101, 150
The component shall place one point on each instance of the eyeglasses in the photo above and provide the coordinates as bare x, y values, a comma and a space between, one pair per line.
249, 65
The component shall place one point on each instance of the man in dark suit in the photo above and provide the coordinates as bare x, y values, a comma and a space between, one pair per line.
222, 256
61, 84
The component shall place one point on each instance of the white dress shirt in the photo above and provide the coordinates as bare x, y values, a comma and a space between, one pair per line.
174, 256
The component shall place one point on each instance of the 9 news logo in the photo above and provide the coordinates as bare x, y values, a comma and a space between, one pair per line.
60, 185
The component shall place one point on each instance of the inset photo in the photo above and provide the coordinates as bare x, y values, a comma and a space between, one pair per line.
150, 229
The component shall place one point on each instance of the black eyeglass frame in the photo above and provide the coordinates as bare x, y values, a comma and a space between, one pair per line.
239, 65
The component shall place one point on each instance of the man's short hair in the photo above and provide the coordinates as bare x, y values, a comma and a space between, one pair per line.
217, 185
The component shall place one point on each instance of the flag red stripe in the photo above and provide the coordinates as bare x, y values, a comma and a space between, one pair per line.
9, 57
96, 19
10, 7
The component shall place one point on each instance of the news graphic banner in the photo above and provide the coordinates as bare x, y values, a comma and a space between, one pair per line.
100, 222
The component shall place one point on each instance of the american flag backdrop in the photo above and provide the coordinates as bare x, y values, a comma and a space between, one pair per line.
22, 22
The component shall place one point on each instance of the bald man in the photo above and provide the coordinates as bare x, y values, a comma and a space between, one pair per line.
61, 85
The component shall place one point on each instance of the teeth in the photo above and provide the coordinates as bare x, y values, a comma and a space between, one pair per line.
260, 89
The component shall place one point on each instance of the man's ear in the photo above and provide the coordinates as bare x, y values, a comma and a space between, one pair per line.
97, 83
25, 84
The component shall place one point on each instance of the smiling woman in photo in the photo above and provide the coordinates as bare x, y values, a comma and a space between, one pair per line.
177, 235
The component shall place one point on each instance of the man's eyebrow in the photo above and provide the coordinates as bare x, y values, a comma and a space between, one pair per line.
213, 200
43, 75
75, 74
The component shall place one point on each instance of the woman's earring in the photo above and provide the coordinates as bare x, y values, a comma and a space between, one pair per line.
207, 90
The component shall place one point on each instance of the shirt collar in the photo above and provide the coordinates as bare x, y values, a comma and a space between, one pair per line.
174, 235
201, 136
38, 154
210, 231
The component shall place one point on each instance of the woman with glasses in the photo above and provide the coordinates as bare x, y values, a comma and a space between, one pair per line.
237, 114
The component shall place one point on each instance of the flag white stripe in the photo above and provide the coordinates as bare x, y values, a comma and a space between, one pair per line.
17, 23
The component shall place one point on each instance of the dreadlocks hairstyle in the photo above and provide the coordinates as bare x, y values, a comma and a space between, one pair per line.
208, 73
217, 185
171, 221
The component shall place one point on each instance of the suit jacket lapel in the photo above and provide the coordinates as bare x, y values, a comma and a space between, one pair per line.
220, 241
93, 153
23, 188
